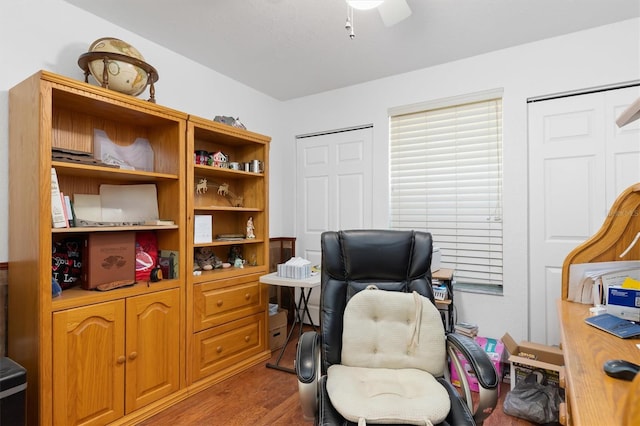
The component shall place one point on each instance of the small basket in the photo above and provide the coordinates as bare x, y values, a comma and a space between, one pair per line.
440, 293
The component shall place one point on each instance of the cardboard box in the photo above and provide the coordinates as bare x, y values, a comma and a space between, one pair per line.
496, 351
528, 357
623, 302
277, 329
109, 257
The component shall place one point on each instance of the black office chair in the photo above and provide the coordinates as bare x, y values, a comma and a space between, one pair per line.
396, 266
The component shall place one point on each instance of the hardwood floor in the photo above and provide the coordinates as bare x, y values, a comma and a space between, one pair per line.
263, 396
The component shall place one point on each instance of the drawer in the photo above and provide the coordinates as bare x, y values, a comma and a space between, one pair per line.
222, 347
216, 303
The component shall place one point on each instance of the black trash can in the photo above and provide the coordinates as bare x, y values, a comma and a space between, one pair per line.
13, 392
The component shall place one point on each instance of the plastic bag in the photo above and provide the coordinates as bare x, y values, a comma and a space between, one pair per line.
533, 401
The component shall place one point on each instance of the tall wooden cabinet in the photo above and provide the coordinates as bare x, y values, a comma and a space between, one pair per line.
228, 326
91, 357
120, 356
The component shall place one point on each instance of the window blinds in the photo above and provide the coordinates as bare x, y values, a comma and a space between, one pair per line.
446, 178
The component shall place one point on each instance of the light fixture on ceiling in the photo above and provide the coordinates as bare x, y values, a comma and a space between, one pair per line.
391, 11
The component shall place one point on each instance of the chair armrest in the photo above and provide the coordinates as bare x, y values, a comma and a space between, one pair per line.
485, 373
307, 367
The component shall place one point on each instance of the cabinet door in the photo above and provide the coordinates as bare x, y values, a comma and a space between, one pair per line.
88, 364
153, 347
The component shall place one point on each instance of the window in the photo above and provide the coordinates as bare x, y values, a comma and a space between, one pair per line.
446, 178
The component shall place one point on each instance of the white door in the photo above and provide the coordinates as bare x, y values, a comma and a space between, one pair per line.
334, 190
579, 161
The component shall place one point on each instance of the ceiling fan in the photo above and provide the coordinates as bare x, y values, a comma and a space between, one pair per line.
391, 11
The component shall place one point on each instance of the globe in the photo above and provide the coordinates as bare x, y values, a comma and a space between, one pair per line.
123, 77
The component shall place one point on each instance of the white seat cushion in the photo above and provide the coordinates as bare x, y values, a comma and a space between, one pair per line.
393, 344
382, 395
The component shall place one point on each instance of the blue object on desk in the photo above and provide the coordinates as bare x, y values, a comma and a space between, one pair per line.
614, 325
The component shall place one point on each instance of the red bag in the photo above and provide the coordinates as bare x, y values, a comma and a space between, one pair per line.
146, 254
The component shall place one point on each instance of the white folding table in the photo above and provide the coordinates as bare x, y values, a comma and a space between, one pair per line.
306, 285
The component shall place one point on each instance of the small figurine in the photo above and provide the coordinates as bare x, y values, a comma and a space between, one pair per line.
223, 189
201, 187
250, 228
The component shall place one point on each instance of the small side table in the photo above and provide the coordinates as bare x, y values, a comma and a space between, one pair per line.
445, 276
305, 285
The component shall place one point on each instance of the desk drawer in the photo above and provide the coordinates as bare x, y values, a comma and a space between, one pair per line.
222, 347
215, 304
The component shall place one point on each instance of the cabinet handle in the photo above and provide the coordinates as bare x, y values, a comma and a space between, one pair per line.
247, 296
247, 338
121, 359
133, 355
219, 303
219, 349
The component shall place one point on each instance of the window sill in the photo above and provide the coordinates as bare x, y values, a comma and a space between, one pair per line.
494, 290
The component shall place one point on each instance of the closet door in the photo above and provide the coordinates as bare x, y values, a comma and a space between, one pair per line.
579, 161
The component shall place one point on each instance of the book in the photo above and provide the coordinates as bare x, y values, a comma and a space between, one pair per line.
614, 325
69, 207
58, 219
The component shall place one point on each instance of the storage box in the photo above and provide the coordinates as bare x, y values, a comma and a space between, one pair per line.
528, 357
109, 257
277, 329
623, 302
13, 385
496, 351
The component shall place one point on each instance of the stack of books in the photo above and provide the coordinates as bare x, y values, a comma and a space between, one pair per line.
466, 329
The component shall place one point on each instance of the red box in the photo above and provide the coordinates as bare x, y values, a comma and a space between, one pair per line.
496, 351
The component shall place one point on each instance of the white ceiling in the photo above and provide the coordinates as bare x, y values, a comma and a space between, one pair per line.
293, 48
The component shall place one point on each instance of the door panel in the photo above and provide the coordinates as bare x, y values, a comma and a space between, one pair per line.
153, 347
88, 364
334, 175
579, 161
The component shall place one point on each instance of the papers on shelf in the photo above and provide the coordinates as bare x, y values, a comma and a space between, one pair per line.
588, 282
202, 228
129, 203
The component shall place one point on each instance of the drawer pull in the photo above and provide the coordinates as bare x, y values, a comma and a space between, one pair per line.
133, 355
247, 338
121, 359
247, 296
219, 302
219, 349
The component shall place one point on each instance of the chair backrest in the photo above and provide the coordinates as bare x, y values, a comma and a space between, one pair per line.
352, 260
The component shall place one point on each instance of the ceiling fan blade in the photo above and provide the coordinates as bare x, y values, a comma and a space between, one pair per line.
394, 11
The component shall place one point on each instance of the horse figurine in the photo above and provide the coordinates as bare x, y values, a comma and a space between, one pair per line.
223, 189
201, 187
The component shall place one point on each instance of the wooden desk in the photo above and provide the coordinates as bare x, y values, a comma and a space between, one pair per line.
593, 397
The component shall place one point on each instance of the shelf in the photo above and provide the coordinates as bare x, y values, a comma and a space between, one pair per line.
211, 171
113, 173
227, 208
230, 243
76, 296
85, 229
219, 274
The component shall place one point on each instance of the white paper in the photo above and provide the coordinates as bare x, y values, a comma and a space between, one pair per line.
203, 228
87, 207
129, 203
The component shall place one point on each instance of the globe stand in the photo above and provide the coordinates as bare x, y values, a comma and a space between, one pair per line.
86, 58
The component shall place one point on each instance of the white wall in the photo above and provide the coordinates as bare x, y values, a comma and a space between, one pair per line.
590, 58
51, 34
